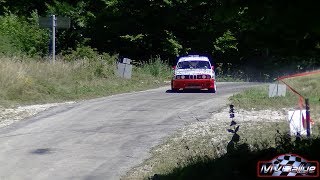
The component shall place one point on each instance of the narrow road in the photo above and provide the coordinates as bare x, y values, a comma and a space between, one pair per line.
101, 138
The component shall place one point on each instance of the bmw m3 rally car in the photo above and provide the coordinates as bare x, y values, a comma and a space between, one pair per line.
193, 72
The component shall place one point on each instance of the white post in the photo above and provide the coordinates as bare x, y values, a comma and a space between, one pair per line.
53, 38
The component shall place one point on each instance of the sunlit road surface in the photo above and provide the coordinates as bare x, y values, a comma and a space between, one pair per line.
102, 138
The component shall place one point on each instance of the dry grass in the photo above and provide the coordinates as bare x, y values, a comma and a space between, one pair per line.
30, 81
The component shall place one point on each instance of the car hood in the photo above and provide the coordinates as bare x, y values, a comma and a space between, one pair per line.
192, 71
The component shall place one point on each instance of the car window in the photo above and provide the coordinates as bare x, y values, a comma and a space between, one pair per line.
193, 65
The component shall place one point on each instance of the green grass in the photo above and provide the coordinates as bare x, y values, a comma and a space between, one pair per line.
31, 81
241, 163
257, 98
228, 78
199, 158
179, 151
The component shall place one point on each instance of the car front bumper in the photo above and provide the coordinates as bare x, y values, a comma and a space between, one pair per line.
192, 84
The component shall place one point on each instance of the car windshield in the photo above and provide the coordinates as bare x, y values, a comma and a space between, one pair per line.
193, 65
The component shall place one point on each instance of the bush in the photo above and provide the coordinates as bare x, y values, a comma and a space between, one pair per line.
23, 36
157, 68
81, 52
7, 47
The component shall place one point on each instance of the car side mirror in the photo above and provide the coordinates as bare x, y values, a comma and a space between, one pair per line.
173, 67
212, 67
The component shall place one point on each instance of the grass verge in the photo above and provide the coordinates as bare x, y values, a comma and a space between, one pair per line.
203, 141
203, 152
242, 162
257, 98
29, 81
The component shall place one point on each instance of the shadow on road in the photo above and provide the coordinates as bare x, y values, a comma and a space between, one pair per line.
41, 151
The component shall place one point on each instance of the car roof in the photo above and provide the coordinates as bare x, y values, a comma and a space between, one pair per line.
193, 58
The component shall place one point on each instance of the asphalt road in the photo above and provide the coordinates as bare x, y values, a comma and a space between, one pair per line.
101, 138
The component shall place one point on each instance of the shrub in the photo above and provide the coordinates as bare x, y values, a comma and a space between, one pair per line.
7, 47
22, 35
157, 68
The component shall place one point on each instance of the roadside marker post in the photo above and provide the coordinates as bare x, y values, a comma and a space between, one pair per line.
277, 90
231, 111
308, 117
233, 123
124, 68
235, 137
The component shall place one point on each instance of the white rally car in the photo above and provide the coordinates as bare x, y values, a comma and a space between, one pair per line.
193, 72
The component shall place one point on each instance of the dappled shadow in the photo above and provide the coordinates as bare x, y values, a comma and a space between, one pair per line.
240, 161
240, 164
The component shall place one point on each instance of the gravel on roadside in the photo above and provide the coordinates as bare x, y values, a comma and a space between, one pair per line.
208, 138
12, 115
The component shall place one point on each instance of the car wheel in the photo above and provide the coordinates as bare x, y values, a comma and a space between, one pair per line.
212, 90
174, 90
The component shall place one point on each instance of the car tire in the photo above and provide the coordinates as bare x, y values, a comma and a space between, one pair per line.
174, 90
212, 90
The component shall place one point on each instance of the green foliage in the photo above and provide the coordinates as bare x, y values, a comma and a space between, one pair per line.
23, 35
22, 8
80, 14
226, 42
7, 48
81, 52
172, 45
229, 30
156, 67
77, 11
133, 38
